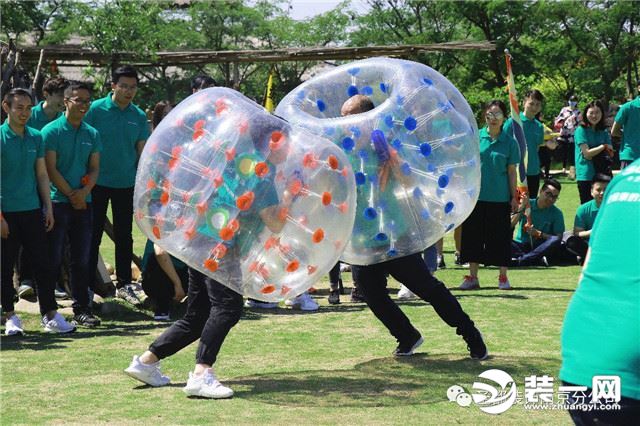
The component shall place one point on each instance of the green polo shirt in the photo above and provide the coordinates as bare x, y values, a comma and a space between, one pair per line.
39, 118
593, 138
586, 215
150, 251
495, 157
534, 135
73, 147
629, 118
120, 130
601, 330
549, 221
19, 183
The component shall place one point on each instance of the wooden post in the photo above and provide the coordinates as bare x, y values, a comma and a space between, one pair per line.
37, 77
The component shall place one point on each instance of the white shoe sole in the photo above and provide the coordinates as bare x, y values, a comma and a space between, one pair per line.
197, 393
135, 374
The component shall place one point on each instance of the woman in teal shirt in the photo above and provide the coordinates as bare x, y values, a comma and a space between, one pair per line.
591, 138
486, 234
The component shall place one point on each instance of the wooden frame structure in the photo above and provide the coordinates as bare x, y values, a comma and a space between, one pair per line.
77, 55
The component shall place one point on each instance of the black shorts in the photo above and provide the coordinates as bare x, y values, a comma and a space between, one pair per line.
486, 234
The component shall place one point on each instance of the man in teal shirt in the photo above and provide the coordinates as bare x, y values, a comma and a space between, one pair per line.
53, 105
601, 329
577, 244
73, 159
538, 238
534, 136
24, 189
123, 130
628, 121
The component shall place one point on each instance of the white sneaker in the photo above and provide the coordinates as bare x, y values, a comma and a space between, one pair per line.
304, 302
251, 303
503, 283
57, 324
146, 373
405, 294
206, 385
469, 283
13, 326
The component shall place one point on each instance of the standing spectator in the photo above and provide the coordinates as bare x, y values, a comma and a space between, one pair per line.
566, 122
53, 105
533, 134
201, 82
627, 126
26, 214
123, 131
538, 240
601, 330
577, 243
486, 234
73, 160
42, 114
591, 140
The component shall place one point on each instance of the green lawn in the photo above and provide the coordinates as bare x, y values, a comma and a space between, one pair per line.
329, 367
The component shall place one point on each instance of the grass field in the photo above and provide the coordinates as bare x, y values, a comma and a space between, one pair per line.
286, 367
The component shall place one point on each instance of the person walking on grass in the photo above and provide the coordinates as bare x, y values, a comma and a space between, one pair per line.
27, 214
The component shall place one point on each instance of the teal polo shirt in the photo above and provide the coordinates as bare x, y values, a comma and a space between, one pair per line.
601, 330
534, 135
586, 215
549, 221
73, 147
119, 130
39, 118
19, 183
629, 118
495, 157
584, 168
150, 251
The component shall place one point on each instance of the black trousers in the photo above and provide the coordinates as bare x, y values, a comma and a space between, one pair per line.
584, 190
212, 311
159, 287
533, 184
334, 274
122, 211
27, 229
414, 274
486, 234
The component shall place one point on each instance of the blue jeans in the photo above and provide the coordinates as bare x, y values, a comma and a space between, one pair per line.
524, 255
77, 225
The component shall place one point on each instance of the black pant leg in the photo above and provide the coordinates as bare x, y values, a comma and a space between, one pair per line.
414, 274
334, 274
533, 184
122, 211
157, 285
225, 312
584, 190
10, 247
100, 201
372, 282
34, 241
188, 329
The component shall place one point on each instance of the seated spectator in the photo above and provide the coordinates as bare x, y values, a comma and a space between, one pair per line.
539, 237
578, 242
164, 278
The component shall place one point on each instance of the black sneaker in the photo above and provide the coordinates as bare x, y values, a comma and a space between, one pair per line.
356, 297
457, 259
126, 293
86, 319
334, 297
407, 349
475, 345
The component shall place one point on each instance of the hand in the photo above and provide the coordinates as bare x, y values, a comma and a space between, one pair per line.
5, 229
608, 149
179, 292
535, 233
515, 206
77, 198
48, 220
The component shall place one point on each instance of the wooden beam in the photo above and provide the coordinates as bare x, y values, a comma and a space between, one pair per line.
68, 54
